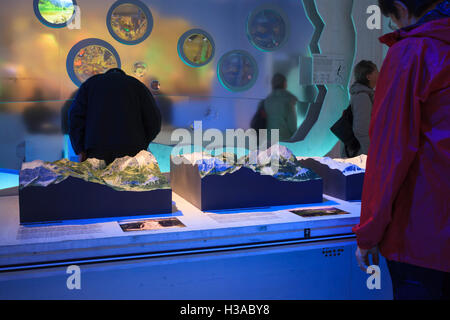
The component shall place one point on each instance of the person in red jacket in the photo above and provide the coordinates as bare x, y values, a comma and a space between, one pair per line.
405, 209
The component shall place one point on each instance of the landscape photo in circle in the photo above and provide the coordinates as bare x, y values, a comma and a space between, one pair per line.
129, 21
267, 29
54, 13
237, 70
90, 57
196, 47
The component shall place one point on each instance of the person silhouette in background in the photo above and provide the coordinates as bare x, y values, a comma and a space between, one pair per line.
281, 109
362, 93
39, 118
113, 115
65, 110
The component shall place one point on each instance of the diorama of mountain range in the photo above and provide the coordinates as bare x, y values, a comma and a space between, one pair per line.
277, 161
138, 173
345, 166
273, 177
359, 161
342, 178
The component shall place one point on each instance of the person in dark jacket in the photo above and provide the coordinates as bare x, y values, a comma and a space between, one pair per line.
362, 93
113, 115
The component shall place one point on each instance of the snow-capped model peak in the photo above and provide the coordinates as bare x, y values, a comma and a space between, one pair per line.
277, 161
138, 173
346, 166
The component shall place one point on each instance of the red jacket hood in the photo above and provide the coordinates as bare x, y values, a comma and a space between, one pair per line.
436, 29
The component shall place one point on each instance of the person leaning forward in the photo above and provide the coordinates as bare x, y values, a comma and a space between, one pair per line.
113, 115
405, 210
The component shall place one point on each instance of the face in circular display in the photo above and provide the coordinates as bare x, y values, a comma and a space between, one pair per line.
267, 30
237, 70
129, 22
197, 49
90, 57
55, 12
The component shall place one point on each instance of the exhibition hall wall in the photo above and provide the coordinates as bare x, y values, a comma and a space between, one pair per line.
44, 60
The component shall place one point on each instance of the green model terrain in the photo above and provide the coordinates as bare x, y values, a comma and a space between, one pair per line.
139, 173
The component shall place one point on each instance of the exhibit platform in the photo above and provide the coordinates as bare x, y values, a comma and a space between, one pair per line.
259, 253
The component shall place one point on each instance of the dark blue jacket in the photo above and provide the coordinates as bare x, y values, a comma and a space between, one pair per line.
113, 112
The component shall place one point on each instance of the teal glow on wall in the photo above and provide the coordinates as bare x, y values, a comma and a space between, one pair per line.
319, 140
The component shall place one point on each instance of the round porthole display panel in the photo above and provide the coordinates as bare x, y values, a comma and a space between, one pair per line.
196, 48
90, 57
139, 69
54, 13
267, 28
129, 21
237, 70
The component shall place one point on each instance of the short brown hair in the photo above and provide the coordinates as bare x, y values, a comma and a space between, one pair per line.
278, 81
362, 70
415, 7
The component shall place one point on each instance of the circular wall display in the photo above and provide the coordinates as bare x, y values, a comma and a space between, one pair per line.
54, 13
90, 57
155, 85
139, 69
196, 48
237, 70
267, 28
129, 21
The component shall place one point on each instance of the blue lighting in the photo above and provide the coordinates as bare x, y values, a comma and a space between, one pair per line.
9, 178
267, 28
237, 70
